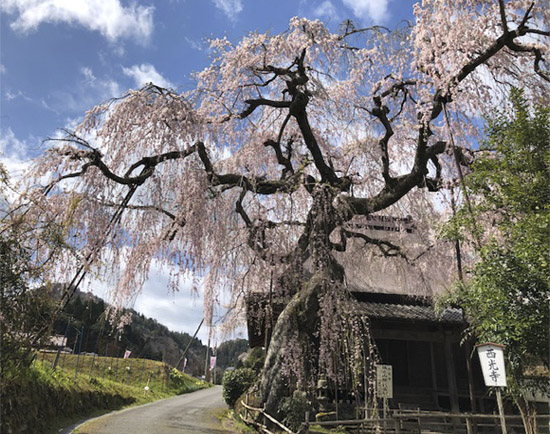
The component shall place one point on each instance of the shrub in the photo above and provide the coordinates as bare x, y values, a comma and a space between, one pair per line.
235, 383
294, 409
177, 377
255, 359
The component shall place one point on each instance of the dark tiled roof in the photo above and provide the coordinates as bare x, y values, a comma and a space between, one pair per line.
411, 312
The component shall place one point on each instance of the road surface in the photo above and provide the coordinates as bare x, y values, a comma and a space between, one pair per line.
197, 412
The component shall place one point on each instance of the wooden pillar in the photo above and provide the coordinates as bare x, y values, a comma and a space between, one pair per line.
451, 374
434, 374
471, 385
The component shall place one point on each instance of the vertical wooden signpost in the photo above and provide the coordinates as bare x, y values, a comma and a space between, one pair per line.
384, 386
491, 357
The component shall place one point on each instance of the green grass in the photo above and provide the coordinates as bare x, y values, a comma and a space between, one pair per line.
236, 422
135, 372
39, 399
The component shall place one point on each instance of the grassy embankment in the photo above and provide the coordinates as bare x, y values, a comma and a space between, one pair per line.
40, 400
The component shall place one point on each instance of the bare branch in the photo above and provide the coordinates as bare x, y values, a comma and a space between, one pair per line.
281, 159
387, 248
254, 184
240, 209
502, 10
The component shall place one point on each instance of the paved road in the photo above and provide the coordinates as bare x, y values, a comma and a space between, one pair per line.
196, 412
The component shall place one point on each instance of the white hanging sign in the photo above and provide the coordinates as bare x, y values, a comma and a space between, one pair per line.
384, 381
491, 357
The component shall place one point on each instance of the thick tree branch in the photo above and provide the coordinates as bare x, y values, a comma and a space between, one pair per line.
506, 39
151, 162
387, 248
502, 11
253, 104
390, 194
326, 172
253, 184
95, 158
281, 159
240, 209
381, 112
535, 51
397, 87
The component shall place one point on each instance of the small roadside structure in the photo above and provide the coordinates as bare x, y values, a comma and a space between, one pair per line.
56, 343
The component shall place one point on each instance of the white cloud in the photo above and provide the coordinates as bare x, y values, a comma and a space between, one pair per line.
107, 17
231, 8
13, 154
44, 104
87, 91
10, 95
328, 10
88, 74
179, 311
375, 10
195, 45
146, 73
2, 69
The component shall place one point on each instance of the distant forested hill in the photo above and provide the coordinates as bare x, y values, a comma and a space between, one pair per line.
145, 337
229, 351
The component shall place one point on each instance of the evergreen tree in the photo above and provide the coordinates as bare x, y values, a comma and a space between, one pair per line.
508, 225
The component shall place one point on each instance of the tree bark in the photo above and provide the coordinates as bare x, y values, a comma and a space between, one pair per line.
292, 361
528, 415
293, 355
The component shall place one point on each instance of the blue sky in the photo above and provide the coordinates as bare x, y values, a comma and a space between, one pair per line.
58, 58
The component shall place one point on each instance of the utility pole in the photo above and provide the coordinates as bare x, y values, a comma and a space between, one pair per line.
206, 364
182, 358
207, 361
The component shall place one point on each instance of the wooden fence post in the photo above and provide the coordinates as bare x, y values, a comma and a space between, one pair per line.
397, 425
468, 425
92, 366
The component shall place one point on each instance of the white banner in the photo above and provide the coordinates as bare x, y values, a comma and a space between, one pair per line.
127, 354
491, 357
212, 362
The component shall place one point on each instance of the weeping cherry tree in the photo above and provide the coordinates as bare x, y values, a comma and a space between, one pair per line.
256, 178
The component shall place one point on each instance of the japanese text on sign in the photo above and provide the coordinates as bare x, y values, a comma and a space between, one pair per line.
384, 381
491, 357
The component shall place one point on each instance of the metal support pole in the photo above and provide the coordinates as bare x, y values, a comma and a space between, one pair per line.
79, 350
63, 342
206, 364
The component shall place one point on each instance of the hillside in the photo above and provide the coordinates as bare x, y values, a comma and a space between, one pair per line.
41, 400
144, 337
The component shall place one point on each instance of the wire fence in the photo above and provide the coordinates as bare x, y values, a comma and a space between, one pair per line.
131, 371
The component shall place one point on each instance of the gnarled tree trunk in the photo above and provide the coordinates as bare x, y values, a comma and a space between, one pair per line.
292, 359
